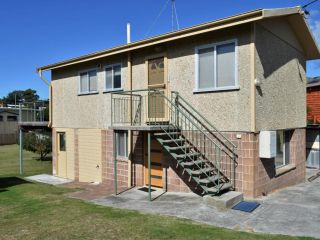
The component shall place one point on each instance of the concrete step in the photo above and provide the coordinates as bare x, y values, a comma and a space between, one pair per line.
226, 200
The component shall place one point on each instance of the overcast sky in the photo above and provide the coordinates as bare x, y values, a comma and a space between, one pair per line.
34, 33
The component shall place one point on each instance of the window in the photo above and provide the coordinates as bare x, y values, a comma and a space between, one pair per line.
216, 67
113, 77
283, 148
62, 142
122, 144
12, 118
88, 81
1, 118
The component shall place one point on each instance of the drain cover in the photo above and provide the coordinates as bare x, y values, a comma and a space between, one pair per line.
246, 206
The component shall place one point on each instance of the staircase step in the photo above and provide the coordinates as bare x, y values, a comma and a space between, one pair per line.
178, 147
199, 171
183, 156
216, 189
192, 163
171, 140
206, 180
166, 134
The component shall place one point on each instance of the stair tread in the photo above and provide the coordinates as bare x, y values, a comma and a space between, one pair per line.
194, 154
216, 189
165, 133
207, 179
199, 171
191, 163
178, 147
171, 140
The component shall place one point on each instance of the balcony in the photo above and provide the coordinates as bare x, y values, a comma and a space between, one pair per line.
33, 114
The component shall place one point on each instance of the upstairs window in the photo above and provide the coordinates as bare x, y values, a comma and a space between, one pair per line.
88, 82
216, 67
113, 77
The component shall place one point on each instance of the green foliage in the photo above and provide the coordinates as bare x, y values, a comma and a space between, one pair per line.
17, 96
38, 142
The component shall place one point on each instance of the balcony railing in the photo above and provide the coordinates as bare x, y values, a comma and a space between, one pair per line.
33, 112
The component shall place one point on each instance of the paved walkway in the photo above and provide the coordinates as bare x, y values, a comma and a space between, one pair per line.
48, 179
291, 211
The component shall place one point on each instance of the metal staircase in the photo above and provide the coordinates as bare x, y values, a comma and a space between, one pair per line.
203, 152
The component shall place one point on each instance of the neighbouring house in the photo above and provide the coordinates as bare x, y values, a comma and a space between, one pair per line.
8, 126
313, 100
209, 108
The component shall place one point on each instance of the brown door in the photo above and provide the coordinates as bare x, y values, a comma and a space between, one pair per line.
156, 79
156, 163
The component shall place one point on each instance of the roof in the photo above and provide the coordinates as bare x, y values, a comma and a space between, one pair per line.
295, 16
313, 82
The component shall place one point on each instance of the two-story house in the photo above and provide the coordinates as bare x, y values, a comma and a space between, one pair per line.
209, 108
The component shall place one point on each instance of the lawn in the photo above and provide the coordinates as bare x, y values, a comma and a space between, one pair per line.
39, 211
9, 162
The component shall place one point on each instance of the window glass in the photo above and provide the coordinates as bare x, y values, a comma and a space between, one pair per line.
109, 78
62, 141
206, 68
83, 82
283, 148
117, 76
93, 81
226, 65
122, 144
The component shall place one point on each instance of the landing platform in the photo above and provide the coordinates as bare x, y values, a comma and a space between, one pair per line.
148, 128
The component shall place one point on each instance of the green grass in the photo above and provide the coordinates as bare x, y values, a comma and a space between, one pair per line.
39, 211
9, 162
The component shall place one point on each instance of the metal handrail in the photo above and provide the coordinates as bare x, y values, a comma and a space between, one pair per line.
209, 123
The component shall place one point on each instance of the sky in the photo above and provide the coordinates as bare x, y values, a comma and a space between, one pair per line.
35, 33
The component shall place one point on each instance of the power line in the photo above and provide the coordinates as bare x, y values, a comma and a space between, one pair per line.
312, 2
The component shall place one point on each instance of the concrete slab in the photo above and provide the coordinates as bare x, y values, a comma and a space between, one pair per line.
48, 179
226, 200
292, 211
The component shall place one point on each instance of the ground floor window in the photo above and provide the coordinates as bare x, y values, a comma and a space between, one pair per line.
122, 144
62, 141
283, 148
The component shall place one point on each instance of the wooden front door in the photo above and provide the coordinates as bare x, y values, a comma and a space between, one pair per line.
156, 163
157, 79
61, 155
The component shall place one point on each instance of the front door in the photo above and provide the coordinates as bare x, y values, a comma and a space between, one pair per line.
156, 163
157, 79
61, 155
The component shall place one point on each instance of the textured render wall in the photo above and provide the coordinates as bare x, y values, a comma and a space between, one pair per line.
86, 111
229, 110
280, 67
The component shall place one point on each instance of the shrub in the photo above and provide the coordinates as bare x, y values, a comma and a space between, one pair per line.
38, 142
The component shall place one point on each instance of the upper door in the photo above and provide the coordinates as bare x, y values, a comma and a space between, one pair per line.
157, 79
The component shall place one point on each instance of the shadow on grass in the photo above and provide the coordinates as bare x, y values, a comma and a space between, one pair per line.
7, 182
45, 159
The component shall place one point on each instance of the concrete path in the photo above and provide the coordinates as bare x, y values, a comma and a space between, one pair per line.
292, 211
48, 179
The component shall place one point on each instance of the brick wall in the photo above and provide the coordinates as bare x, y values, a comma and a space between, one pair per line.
313, 102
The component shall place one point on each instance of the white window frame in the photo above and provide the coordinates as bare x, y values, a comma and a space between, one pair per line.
105, 78
88, 84
197, 79
125, 147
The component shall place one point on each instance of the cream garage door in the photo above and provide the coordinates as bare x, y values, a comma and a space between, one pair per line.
89, 148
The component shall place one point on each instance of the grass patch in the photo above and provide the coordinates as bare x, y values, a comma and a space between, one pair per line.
9, 162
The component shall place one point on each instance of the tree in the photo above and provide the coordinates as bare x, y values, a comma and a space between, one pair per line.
38, 142
20, 96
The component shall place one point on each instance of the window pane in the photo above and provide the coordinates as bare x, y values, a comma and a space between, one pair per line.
62, 141
206, 68
287, 138
122, 149
93, 80
226, 65
117, 76
83, 82
108, 78
279, 157
283, 148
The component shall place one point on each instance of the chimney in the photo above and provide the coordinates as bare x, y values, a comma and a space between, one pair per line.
128, 33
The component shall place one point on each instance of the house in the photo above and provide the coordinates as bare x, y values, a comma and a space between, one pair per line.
313, 100
209, 108
8, 126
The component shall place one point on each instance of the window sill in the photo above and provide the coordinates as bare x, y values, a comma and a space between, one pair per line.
284, 169
122, 159
216, 89
88, 93
113, 90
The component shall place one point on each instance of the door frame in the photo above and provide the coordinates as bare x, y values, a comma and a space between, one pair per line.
166, 79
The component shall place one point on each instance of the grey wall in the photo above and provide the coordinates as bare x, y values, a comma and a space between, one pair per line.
280, 66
